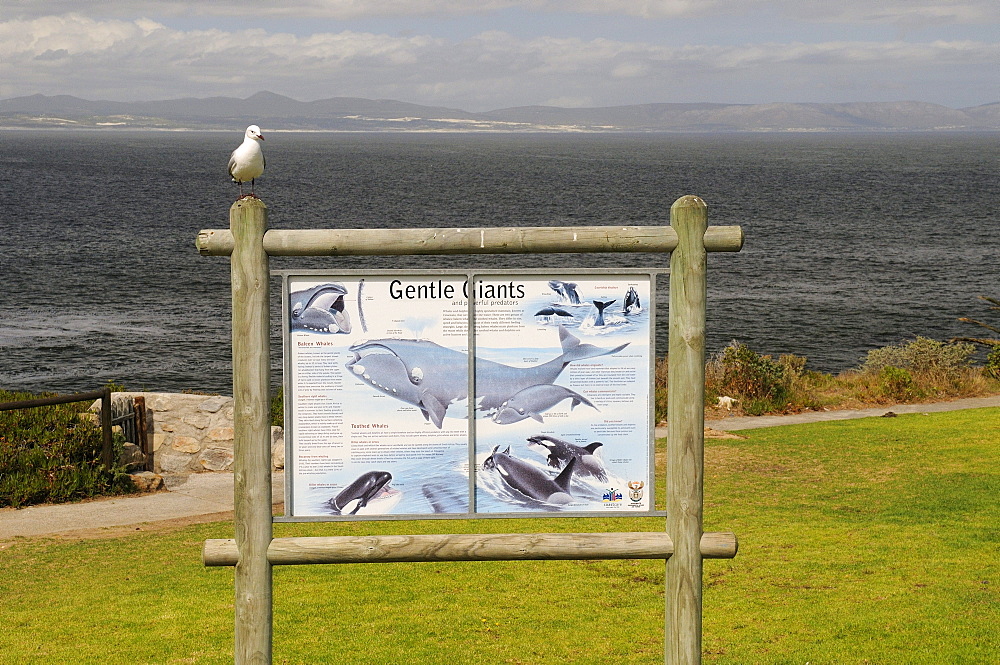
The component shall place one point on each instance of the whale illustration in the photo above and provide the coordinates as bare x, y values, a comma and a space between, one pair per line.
552, 311
600, 310
320, 309
534, 400
631, 303
365, 488
558, 453
432, 377
529, 480
566, 291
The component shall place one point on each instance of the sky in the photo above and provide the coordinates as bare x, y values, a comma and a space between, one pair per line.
483, 55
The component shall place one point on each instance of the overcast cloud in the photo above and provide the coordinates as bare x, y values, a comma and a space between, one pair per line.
490, 54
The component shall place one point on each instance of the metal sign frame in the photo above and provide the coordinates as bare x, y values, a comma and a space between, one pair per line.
292, 514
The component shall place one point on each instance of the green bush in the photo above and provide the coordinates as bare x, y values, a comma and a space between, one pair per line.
760, 383
897, 384
49, 454
922, 356
992, 367
278, 408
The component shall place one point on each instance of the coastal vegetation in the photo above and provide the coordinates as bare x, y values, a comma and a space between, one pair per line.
870, 540
51, 454
917, 370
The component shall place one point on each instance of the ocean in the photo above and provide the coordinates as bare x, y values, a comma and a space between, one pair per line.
853, 241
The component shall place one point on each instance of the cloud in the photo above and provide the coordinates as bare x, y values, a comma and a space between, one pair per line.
144, 59
892, 12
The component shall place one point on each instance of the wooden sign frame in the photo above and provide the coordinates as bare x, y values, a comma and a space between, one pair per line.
684, 545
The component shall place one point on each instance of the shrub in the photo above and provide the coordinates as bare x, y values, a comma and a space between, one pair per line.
922, 355
278, 407
897, 384
992, 367
48, 454
660, 372
760, 383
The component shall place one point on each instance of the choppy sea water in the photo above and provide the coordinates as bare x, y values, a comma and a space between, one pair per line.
852, 241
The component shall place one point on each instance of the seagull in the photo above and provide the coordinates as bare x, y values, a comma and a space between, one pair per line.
247, 161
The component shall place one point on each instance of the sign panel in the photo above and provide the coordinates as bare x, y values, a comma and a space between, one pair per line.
379, 369
563, 376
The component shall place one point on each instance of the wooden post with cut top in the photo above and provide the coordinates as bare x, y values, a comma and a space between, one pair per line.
251, 426
686, 430
254, 551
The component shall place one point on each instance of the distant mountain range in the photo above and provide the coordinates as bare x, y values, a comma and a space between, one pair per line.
272, 111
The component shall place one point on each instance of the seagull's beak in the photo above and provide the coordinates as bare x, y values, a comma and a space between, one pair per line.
260, 136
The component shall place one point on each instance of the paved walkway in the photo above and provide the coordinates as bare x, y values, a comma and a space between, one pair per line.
734, 423
195, 495
212, 493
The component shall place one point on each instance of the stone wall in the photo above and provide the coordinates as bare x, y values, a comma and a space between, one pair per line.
194, 433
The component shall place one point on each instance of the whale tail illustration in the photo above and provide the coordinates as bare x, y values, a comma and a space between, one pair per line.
573, 349
600, 310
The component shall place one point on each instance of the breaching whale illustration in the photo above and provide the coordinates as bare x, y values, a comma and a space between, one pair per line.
534, 400
365, 488
320, 309
566, 290
529, 480
600, 310
432, 377
559, 453
631, 303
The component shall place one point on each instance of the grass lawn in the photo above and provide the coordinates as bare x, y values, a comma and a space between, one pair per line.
862, 541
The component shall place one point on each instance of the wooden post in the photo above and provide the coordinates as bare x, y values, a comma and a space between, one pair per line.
107, 448
252, 446
139, 409
685, 431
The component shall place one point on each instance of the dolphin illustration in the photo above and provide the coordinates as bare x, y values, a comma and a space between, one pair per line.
432, 377
365, 488
600, 310
320, 309
559, 453
533, 400
566, 291
530, 480
631, 303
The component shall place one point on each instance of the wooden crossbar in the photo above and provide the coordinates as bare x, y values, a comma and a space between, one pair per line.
469, 547
492, 240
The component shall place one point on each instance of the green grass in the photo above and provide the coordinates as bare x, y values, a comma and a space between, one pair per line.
864, 541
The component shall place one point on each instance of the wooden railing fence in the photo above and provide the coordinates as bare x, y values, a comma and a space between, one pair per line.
104, 394
132, 419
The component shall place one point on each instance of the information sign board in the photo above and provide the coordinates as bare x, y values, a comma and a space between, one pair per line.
378, 373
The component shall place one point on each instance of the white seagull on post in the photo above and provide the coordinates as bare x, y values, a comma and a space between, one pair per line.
247, 161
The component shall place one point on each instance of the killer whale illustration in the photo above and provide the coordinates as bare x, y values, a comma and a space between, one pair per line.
529, 480
566, 290
365, 488
631, 303
320, 309
534, 400
599, 321
432, 377
558, 453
